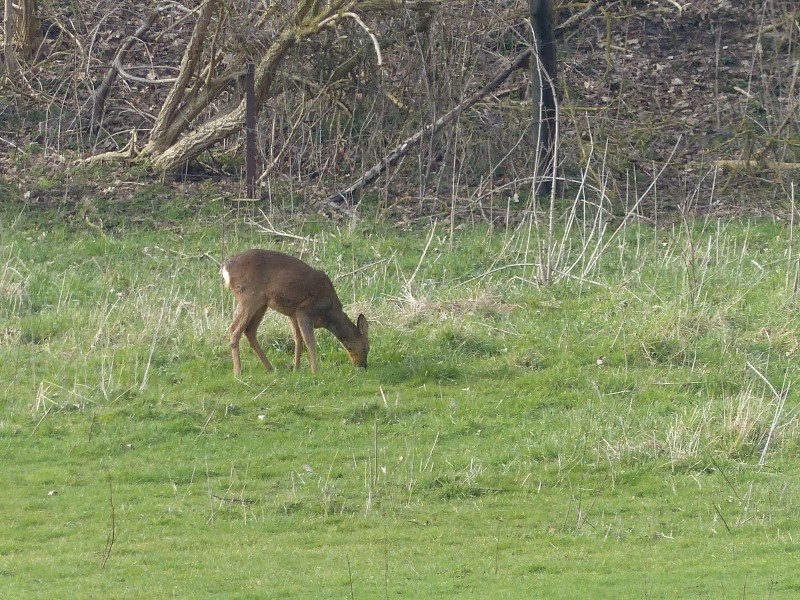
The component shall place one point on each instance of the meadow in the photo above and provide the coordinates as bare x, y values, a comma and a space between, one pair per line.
585, 409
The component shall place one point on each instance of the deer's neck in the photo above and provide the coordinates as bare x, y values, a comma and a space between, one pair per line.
343, 328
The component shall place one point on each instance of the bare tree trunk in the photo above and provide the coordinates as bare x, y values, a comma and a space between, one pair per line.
28, 29
12, 67
250, 128
164, 132
543, 82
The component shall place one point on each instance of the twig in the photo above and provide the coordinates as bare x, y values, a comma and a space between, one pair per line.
210, 495
208, 420
781, 398
146, 80
241, 501
47, 412
764, 379
350, 577
157, 330
753, 164
430, 454
422, 258
270, 229
128, 152
719, 514
112, 536
362, 268
12, 144
728, 481
519, 265
577, 17
363, 26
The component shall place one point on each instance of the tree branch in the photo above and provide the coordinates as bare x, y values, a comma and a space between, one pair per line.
391, 159
187, 70
100, 96
573, 21
363, 26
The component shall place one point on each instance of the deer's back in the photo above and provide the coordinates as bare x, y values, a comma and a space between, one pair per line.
282, 282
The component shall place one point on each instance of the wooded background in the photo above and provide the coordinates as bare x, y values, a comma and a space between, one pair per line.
661, 103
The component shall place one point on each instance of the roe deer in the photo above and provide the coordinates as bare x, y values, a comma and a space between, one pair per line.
262, 279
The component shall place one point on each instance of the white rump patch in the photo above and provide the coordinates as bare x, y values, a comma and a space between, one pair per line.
226, 276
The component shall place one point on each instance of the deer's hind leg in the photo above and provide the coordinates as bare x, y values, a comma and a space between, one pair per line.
240, 320
246, 321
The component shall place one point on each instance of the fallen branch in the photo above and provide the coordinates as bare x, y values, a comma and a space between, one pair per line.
128, 152
346, 196
578, 17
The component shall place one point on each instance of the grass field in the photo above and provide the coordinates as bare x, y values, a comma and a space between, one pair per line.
628, 430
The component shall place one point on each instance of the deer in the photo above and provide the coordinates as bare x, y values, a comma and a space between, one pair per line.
262, 279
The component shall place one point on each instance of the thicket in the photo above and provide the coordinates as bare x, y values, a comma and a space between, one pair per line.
695, 104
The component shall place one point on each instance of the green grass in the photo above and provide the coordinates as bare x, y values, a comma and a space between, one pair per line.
603, 436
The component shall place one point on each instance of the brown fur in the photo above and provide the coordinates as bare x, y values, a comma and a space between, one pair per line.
262, 279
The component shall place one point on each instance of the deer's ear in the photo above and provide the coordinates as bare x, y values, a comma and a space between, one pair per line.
363, 325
